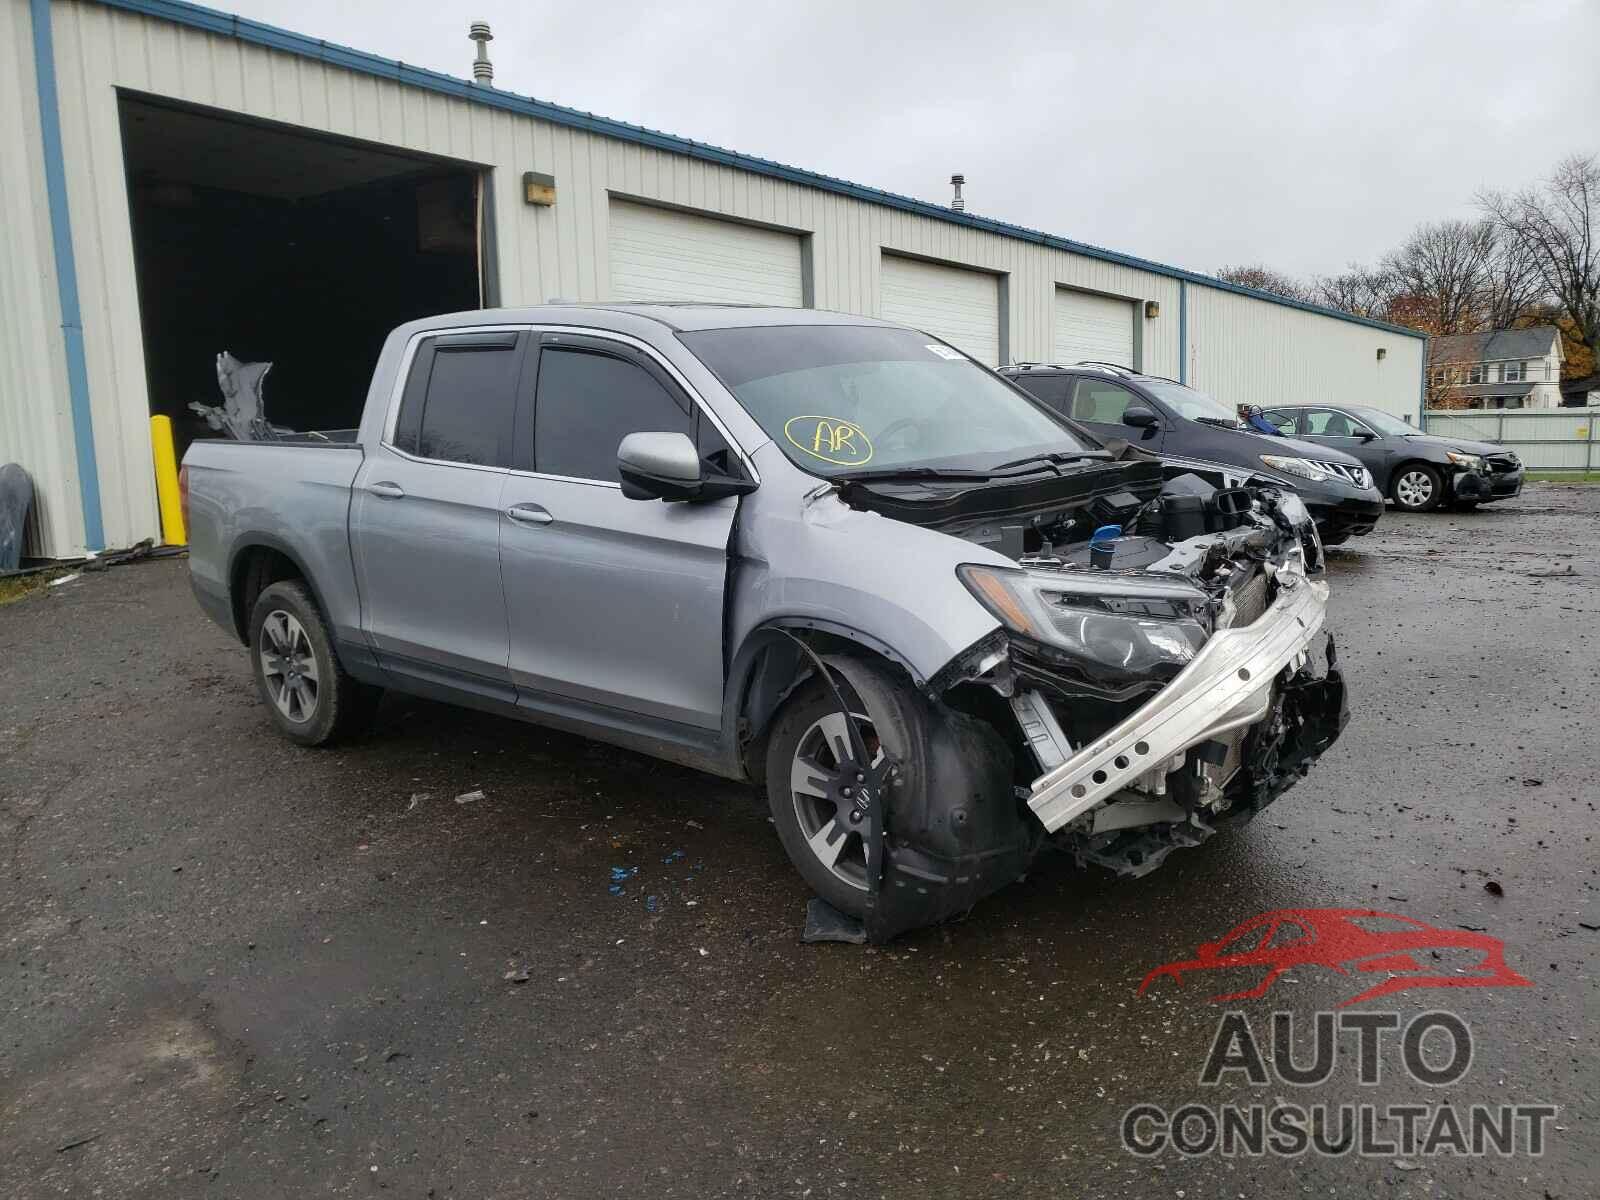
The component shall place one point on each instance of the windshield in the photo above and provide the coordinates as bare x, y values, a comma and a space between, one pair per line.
1196, 406
842, 398
1383, 423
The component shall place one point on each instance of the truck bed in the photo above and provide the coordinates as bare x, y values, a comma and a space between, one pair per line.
295, 493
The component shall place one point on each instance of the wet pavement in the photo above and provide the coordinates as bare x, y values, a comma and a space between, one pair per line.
233, 967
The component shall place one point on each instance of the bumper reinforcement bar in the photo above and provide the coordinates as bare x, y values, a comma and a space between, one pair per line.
1226, 686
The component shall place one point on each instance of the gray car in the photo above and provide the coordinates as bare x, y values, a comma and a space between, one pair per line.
824, 554
1418, 471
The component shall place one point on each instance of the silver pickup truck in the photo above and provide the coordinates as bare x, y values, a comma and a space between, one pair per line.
835, 557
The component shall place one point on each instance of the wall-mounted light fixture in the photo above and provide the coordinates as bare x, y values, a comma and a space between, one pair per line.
538, 188
1382, 354
1152, 309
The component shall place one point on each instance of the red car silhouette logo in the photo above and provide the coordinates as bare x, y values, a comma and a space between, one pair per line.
1351, 941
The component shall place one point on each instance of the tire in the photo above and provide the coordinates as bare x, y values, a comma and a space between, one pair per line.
808, 727
311, 698
1416, 487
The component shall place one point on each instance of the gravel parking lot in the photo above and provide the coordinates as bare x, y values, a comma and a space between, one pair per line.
234, 967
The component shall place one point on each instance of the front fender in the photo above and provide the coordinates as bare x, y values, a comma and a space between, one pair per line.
803, 556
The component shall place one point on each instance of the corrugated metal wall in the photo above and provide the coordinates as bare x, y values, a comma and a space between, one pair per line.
563, 250
35, 411
1248, 351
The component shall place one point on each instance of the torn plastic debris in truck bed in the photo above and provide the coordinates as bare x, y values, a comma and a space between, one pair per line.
242, 413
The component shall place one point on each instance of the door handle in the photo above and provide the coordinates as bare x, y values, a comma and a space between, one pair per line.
389, 491
529, 514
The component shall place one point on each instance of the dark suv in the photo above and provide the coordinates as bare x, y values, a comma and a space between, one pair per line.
1419, 471
1185, 425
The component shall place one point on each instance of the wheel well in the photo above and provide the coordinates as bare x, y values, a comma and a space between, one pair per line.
254, 570
775, 668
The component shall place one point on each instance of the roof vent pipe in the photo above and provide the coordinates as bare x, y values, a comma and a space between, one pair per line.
482, 68
958, 204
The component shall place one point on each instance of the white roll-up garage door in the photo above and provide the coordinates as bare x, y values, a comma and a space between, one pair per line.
1089, 327
662, 254
960, 306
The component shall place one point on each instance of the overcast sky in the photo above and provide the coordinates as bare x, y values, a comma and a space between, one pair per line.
1303, 135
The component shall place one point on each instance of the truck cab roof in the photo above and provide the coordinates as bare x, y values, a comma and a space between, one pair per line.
685, 316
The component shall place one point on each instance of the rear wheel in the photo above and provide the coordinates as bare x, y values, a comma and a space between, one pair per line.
310, 697
1416, 487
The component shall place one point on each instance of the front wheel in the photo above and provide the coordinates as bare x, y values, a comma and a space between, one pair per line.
812, 782
1416, 487
310, 697
810, 796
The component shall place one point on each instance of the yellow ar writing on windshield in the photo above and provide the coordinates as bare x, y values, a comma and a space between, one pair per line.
831, 439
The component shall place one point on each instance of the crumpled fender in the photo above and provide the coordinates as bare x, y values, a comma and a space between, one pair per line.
952, 832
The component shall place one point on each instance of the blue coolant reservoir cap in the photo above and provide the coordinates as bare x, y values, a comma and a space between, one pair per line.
1103, 546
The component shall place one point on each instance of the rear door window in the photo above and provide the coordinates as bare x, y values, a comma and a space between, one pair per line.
589, 398
460, 401
1284, 421
1054, 390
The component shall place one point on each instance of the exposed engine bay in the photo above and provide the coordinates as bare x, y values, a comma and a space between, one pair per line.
1161, 670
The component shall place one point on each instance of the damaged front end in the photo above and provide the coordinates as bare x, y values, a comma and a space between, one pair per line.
1161, 669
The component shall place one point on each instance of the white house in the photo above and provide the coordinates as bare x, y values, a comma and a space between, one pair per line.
1504, 368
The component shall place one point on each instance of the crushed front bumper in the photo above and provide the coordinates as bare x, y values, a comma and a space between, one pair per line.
1350, 517
1478, 486
1227, 686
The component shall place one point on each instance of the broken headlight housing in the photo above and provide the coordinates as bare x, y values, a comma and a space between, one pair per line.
1139, 628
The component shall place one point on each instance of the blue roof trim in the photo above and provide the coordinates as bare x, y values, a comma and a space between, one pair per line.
197, 17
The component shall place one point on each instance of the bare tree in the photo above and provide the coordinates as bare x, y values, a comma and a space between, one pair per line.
1442, 270
1555, 226
1265, 279
1359, 291
1513, 289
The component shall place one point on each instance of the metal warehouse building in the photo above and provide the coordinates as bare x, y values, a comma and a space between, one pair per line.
179, 182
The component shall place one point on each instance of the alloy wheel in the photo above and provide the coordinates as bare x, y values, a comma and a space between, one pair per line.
823, 794
1414, 489
289, 666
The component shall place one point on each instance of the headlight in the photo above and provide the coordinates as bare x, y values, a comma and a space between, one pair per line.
1138, 628
1302, 467
1472, 462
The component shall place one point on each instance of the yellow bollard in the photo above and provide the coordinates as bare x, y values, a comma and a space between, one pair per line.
172, 531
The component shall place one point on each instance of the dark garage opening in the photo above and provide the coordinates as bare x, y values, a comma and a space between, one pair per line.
284, 246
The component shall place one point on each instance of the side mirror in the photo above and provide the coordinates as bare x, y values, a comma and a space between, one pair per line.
666, 466
1140, 417
1366, 435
